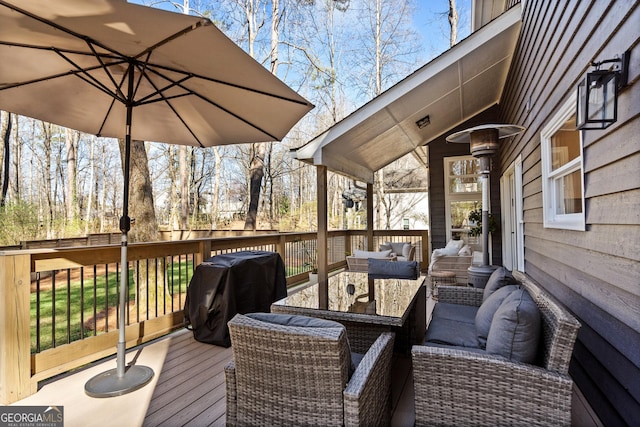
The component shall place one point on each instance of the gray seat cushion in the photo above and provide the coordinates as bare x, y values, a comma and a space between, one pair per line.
499, 278
383, 269
458, 312
487, 309
451, 332
515, 329
293, 320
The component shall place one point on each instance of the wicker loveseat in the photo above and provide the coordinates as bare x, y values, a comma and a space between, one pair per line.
458, 385
455, 257
292, 370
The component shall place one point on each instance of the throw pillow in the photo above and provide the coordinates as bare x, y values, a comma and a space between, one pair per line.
372, 254
382, 269
484, 315
515, 329
452, 248
396, 247
465, 251
384, 247
406, 251
499, 278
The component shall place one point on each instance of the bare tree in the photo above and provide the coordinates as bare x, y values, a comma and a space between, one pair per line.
6, 120
71, 142
453, 22
144, 228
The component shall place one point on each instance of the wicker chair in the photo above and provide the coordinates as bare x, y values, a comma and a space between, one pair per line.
283, 375
457, 387
456, 264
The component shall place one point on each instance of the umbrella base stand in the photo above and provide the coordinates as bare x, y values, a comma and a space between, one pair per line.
108, 384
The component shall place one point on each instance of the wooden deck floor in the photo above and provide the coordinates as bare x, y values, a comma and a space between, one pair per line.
188, 389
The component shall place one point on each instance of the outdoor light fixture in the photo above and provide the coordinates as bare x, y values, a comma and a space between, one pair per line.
423, 122
598, 93
484, 142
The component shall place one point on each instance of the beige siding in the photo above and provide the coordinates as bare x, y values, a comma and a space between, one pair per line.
595, 273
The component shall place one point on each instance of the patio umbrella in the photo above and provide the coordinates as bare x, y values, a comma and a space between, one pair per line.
114, 69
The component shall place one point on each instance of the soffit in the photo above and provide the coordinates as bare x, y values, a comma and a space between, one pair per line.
457, 85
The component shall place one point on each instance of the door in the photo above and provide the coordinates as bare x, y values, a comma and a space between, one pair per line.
513, 224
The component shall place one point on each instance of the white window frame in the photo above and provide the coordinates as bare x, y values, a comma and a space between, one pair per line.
552, 219
449, 197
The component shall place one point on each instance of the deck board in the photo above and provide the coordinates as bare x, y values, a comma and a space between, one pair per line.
188, 389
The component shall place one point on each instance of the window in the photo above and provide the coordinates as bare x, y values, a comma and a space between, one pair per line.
562, 177
463, 193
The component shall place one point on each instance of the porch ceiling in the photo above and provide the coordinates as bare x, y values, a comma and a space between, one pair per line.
454, 87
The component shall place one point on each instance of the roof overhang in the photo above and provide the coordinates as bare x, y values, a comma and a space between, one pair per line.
454, 87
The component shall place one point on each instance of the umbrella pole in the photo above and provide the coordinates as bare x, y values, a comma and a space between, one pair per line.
122, 380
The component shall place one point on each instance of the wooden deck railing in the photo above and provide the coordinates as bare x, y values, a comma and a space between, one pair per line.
61, 305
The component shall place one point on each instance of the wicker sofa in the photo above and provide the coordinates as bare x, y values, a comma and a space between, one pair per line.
390, 251
458, 385
292, 370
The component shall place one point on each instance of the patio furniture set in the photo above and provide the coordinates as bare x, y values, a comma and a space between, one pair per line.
390, 251
498, 355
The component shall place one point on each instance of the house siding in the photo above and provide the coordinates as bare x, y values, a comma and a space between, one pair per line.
438, 150
594, 273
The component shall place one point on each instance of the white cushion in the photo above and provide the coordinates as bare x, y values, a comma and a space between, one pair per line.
406, 250
465, 251
397, 247
452, 248
371, 254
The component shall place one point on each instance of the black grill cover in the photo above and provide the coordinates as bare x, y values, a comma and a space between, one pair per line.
224, 285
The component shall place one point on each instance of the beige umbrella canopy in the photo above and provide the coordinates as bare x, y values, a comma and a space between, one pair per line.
115, 69
68, 62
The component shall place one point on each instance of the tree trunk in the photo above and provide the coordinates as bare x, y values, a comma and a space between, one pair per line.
256, 170
46, 175
92, 179
144, 228
6, 138
71, 143
453, 23
184, 188
215, 198
256, 174
17, 160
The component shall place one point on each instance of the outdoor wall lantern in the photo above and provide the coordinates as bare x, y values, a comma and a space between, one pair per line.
598, 93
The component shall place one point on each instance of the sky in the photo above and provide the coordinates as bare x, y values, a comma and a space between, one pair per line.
433, 26
429, 20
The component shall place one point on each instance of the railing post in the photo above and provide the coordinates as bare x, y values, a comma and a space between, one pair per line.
370, 225
426, 253
204, 251
281, 246
15, 342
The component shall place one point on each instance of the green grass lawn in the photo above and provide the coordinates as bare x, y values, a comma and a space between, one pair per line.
83, 296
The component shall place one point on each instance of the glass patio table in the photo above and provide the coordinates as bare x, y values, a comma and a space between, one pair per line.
367, 307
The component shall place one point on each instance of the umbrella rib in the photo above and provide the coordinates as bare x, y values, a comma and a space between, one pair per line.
233, 85
88, 78
209, 101
192, 27
166, 100
106, 70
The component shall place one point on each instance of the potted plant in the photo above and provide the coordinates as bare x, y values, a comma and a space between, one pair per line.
312, 265
475, 223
